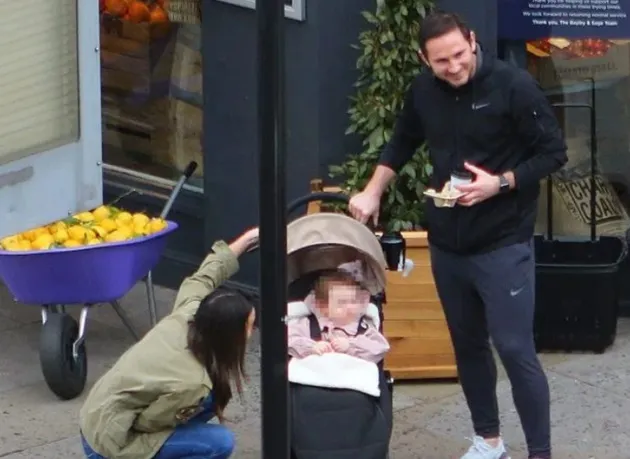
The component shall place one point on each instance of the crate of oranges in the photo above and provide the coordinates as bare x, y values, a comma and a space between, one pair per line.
136, 43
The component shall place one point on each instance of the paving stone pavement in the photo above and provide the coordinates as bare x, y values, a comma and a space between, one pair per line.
590, 396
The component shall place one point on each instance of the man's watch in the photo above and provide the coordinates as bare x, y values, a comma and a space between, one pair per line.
504, 185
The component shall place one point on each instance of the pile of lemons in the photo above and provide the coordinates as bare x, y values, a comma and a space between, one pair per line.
104, 224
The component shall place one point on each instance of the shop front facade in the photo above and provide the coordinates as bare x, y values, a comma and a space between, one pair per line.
179, 84
579, 52
182, 86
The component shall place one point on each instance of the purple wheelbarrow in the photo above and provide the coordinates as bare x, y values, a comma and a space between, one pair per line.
84, 276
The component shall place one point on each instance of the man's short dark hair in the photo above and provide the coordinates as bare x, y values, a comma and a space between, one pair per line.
438, 23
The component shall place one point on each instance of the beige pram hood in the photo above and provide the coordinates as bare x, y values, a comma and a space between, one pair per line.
327, 240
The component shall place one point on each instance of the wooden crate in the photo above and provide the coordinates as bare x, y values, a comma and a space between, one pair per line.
414, 323
182, 142
136, 66
136, 59
135, 132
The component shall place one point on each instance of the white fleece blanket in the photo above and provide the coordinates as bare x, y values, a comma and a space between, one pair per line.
334, 370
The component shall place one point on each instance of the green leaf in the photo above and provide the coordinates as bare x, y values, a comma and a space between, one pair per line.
409, 170
336, 170
369, 17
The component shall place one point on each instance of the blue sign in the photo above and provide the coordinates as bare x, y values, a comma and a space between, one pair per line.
532, 19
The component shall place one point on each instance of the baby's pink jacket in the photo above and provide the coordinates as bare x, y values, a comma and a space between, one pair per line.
371, 345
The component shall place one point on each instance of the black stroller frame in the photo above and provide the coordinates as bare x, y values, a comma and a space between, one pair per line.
315, 402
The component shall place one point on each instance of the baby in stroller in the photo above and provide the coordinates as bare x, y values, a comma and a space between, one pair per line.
340, 399
339, 313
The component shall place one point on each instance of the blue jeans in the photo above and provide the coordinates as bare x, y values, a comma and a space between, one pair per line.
193, 440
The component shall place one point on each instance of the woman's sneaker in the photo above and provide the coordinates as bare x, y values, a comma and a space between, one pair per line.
482, 450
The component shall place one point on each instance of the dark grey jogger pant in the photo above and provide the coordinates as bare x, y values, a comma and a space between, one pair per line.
491, 295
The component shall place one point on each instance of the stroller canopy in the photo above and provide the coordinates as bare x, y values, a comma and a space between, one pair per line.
326, 240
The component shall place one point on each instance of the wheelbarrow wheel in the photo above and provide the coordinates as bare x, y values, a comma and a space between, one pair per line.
64, 373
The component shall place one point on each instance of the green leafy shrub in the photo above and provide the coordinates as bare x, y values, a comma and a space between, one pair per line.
387, 65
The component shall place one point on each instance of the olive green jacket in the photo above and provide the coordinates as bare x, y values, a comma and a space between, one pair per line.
157, 384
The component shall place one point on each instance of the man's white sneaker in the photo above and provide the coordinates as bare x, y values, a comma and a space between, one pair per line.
482, 450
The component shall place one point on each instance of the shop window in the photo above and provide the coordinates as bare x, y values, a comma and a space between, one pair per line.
151, 78
39, 77
49, 108
588, 71
293, 9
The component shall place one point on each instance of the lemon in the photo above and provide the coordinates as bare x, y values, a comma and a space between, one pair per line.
140, 230
24, 245
10, 240
60, 236
101, 213
57, 226
108, 225
89, 235
84, 217
33, 234
20, 245
99, 230
29, 235
70, 243
140, 219
156, 225
78, 233
43, 242
11, 246
124, 217
116, 236
127, 231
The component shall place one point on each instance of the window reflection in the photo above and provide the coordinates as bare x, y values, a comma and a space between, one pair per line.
151, 85
588, 71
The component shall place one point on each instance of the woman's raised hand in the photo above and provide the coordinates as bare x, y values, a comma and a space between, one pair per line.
245, 242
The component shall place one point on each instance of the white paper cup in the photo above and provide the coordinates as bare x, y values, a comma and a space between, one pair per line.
458, 179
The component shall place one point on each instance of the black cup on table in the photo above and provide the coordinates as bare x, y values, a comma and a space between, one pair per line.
394, 248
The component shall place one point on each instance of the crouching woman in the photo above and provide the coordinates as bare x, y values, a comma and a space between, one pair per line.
156, 401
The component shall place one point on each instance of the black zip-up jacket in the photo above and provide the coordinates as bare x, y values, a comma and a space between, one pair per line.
500, 121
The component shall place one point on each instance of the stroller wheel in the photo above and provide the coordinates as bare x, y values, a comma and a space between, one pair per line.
64, 373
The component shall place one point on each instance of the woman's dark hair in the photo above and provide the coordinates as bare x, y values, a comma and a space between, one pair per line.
218, 338
438, 23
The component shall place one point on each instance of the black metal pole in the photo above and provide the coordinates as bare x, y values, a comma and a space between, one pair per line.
273, 222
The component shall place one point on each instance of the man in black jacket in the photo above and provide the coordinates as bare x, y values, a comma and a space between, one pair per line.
491, 120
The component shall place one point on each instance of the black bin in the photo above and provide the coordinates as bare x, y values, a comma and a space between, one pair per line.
577, 293
577, 280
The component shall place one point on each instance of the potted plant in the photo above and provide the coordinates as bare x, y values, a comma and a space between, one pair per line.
388, 63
